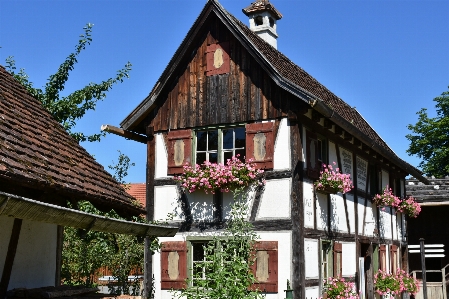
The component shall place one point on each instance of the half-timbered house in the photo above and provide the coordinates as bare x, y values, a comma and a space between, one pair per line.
228, 84
42, 170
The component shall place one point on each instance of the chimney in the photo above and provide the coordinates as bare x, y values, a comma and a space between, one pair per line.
262, 20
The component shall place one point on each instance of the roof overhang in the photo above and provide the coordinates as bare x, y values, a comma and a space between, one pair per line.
28, 209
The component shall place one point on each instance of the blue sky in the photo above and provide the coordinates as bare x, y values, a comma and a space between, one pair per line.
389, 58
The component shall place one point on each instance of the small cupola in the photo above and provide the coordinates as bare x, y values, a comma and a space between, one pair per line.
262, 20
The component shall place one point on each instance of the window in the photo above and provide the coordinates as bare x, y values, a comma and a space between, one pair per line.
219, 145
198, 260
258, 20
316, 154
326, 259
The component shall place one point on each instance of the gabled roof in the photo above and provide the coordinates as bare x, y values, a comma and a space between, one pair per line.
41, 161
285, 74
433, 194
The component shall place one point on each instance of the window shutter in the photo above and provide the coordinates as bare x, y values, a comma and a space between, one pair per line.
313, 163
265, 267
394, 258
338, 255
383, 257
179, 150
260, 144
173, 265
217, 58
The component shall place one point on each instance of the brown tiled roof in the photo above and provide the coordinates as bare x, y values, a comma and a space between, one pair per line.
436, 191
38, 156
262, 5
290, 71
138, 191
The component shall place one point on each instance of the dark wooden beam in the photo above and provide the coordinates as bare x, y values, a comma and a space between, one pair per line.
316, 117
123, 133
10, 255
328, 124
338, 130
151, 165
297, 213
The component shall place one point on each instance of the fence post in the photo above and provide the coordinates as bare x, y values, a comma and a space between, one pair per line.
443, 274
423, 266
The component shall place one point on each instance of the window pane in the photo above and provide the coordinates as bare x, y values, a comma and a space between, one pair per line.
213, 140
242, 154
226, 156
201, 140
228, 139
213, 157
200, 158
198, 251
239, 137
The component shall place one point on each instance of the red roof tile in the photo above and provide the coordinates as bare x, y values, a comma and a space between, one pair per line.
138, 191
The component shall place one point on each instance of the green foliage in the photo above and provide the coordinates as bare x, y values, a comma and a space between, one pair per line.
121, 168
67, 110
430, 138
226, 271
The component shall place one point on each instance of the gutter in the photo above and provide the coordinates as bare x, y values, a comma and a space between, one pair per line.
329, 113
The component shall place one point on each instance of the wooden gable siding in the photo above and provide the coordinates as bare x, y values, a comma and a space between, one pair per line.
244, 94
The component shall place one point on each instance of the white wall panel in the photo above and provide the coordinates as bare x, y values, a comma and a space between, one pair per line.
201, 205
311, 258
282, 146
35, 260
161, 157
166, 202
275, 201
228, 201
351, 211
322, 211
349, 259
309, 212
385, 223
338, 214
312, 293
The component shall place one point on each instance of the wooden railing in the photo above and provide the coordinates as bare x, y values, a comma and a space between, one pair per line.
435, 290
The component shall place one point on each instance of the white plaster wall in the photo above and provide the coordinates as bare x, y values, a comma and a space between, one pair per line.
313, 293
201, 205
322, 212
35, 261
161, 157
385, 223
332, 153
311, 253
338, 214
166, 202
275, 201
309, 212
228, 201
284, 260
351, 212
349, 265
395, 227
282, 146
371, 216
385, 179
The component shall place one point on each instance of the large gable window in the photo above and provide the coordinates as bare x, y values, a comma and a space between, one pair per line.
219, 145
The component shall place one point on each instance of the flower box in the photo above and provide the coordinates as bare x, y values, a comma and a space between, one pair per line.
327, 190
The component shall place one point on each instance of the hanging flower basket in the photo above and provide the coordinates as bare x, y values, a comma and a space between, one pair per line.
338, 288
389, 284
408, 206
332, 181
